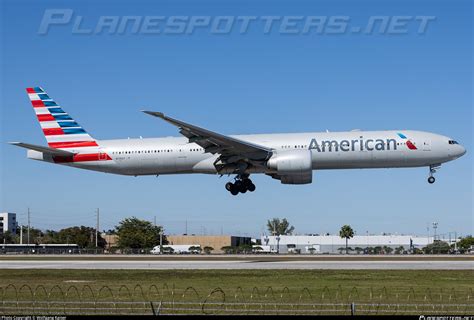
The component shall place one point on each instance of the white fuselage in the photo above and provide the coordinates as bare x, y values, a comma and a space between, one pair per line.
329, 150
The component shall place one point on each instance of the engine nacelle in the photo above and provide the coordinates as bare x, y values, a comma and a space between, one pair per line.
291, 167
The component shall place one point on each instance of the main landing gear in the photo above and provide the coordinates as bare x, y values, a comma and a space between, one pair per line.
242, 184
433, 169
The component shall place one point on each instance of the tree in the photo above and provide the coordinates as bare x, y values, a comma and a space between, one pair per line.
83, 236
369, 250
244, 248
228, 249
399, 250
378, 250
7, 237
50, 236
208, 250
36, 235
465, 243
346, 232
358, 250
437, 247
387, 249
136, 234
312, 250
279, 227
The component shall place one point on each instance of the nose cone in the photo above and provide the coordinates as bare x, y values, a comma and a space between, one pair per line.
457, 151
461, 151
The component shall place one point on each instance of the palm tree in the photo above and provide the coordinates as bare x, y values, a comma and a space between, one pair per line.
347, 233
279, 227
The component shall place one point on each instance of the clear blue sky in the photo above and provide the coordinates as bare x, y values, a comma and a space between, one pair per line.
241, 83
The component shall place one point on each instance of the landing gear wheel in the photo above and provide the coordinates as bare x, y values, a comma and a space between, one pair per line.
238, 184
242, 184
433, 169
234, 191
251, 187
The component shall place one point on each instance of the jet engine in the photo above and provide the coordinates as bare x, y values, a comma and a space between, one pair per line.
291, 167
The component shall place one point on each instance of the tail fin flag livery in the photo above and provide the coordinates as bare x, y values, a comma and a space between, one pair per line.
60, 130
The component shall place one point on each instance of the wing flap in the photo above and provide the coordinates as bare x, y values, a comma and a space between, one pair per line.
47, 150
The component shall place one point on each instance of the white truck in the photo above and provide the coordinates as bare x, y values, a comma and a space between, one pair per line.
177, 249
263, 249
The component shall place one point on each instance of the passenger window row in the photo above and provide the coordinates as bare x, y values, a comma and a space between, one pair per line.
153, 151
295, 147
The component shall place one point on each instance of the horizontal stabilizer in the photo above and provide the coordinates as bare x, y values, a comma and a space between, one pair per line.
46, 150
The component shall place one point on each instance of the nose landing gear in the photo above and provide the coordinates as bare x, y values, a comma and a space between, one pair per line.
242, 184
433, 169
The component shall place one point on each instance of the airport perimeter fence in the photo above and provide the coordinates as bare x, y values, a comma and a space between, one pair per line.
155, 300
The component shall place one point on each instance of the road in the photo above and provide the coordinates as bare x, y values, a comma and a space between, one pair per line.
206, 264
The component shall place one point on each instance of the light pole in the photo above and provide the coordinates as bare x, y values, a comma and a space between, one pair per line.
278, 244
161, 240
367, 248
435, 226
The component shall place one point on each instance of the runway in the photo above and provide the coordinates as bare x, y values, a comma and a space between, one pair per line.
239, 264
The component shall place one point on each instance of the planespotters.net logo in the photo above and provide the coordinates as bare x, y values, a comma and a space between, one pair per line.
446, 317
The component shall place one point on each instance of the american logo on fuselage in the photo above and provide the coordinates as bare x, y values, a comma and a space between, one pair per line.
360, 144
353, 145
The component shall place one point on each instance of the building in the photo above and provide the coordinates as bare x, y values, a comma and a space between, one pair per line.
322, 244
8, 222
111, 240
216, 242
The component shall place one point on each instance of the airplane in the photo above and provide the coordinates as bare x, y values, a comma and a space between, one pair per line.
288, 157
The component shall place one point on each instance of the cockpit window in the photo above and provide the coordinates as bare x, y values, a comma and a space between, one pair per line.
452, 142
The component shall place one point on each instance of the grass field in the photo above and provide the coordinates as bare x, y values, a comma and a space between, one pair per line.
271, 290
230, 279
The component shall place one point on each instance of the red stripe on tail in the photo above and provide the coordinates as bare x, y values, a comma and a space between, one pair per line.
73, 144
53, 131
37, 104
45, 117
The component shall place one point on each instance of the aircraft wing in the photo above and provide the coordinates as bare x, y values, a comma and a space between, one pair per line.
216, 143
47, 150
